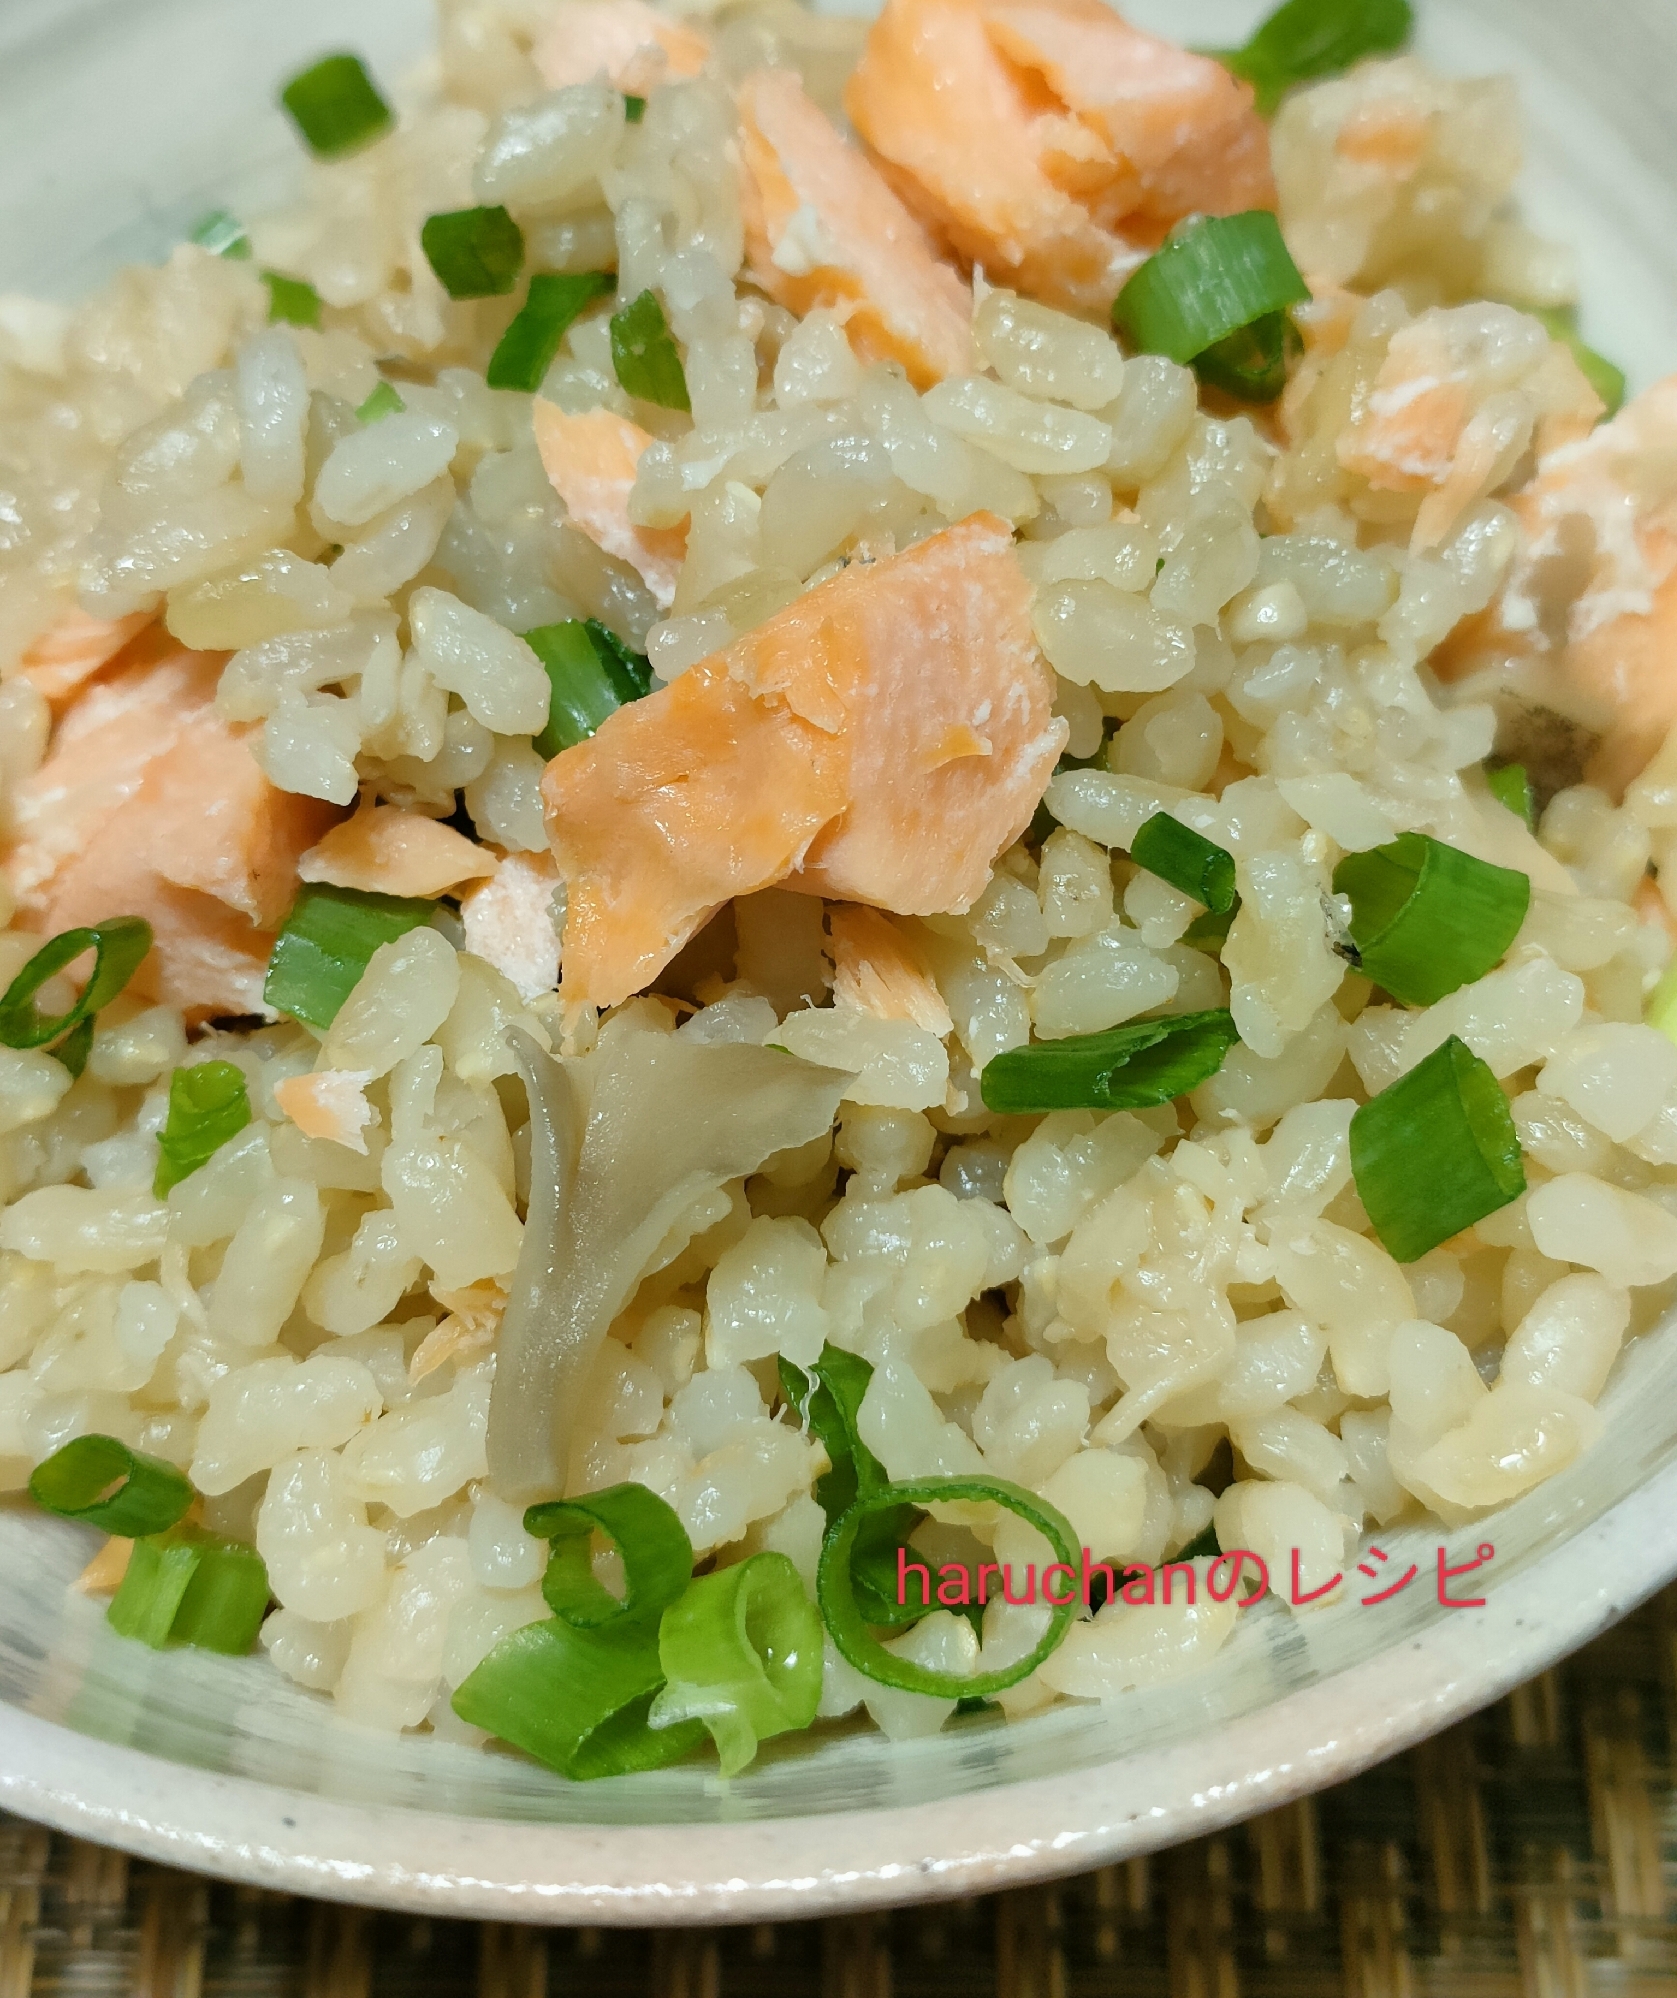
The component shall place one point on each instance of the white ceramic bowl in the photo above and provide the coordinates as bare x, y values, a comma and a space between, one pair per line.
120, 121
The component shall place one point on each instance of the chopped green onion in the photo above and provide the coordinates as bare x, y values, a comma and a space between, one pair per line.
208, 1105
1607, 380
657, 1556
1511, 786
291, 301
741, 1652
629, 671
576, 1700
101, 1482
1210, 932
1202, 1547
847, 1624
1307, 38
336, 106
119, 946
187, 1586
326, 944
644, 353
828, 1401
75, 1047
222, 234
1427, 918
1179, 855
1251, 365
527, 347
1132, 1067
384, 401
475, 252
1435, 1151
592, 673
1215, 278
634, 108
1660, 1013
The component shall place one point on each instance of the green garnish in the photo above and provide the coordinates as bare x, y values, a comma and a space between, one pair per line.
1435, 1152
384, 401
119, 946
222, 234
847, 1625
1251, 365
187, 1586
1607, 380
326, 944
576, 1700
650, 1540
208, 1105
575, 1691
527, 347
1204, 1546
1309, 38
100, 1482
634, 108
1189, 862
828, 1401
644, 353
1211, 931
1427, 918
1660, 1013
336, 106
291, 301
1216, 295
592, 673
1511, 786
475, 252
1132, 1067
741, 1653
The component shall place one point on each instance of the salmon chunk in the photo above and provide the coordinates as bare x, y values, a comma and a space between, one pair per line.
1462, 393
626, 43
1588, 615
65, 658
880, 740
590, 461
383, 850
1051, 142
822, 228
149, 804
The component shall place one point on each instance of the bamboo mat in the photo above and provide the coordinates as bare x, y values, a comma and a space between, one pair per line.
1530, 1852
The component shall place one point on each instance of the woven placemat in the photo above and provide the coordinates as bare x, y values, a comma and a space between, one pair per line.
1530, 1852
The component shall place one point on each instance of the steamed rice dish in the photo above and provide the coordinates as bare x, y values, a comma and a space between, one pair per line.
783, 832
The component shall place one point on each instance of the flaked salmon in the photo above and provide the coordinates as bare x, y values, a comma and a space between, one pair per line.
590, 461
879, 970
65, 657
149, 804
1591, 600
383, 850
822, 228
625, 43
879, 740
1050, 141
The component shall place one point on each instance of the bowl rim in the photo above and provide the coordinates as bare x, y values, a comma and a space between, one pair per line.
786, 1868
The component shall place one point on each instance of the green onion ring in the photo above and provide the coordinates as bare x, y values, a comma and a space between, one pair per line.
119, 946
837, 1597
741, 1652
656, 1553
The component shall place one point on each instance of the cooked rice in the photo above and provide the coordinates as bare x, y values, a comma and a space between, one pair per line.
1159, 1320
